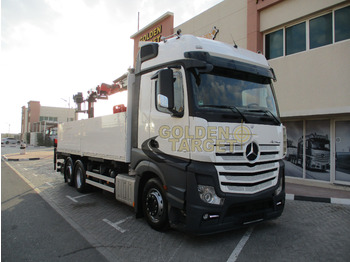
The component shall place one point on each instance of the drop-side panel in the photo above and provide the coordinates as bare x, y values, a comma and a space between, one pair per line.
101, 137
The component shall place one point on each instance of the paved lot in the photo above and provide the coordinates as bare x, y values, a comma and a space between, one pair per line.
306, 231
33, 231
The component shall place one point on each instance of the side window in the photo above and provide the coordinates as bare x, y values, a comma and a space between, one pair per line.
296, 38
342, 21
178, 94
321, 31
274, 44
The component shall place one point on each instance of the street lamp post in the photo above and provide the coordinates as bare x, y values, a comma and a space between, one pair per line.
68, 103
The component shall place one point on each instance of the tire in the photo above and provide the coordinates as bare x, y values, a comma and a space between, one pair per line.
80, 177
68, 171
155, 205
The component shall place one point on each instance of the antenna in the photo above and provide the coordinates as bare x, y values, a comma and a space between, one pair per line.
235, 45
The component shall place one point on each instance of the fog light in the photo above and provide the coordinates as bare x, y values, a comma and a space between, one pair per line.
207, 216
208, 195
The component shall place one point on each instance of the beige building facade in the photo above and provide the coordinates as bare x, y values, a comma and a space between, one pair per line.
43, 119
308, 45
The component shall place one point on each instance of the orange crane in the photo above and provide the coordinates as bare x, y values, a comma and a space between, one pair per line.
101, 92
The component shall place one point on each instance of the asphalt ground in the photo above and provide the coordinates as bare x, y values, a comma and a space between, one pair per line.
32, 231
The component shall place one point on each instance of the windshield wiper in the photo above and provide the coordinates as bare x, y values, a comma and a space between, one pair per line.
228, 107
267, 112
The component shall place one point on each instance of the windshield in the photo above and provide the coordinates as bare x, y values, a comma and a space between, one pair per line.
226, 92
320, 145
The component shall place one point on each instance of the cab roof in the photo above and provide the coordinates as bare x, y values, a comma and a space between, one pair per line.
175, 48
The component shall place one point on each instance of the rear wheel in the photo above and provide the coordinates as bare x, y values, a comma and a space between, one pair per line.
68, 171
155, 205
80, 177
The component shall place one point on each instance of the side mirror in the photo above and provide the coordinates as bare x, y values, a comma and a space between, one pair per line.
166, 89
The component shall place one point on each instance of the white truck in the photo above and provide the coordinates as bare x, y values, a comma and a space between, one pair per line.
200, 146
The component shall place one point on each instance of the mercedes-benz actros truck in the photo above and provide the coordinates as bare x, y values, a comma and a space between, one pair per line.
199, 146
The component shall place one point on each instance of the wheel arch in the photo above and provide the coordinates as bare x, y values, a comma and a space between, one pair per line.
145, 170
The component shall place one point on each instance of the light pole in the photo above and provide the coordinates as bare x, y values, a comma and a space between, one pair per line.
68, 103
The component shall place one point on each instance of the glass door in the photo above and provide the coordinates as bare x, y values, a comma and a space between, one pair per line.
342, 152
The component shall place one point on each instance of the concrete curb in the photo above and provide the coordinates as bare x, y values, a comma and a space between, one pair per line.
28, 156
20, 159
330, 200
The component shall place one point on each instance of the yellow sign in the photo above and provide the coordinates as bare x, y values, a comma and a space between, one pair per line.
213, 33
154, 35
209, 139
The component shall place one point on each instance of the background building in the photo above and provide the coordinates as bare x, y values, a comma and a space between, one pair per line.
43, 119
163, 26
308, 45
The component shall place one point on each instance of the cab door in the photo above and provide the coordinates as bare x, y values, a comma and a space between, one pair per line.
169, 128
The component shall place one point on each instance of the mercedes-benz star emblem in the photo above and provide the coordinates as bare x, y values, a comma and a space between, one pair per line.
252, 151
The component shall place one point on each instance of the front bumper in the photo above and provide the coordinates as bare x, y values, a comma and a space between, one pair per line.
233, 214
238, 210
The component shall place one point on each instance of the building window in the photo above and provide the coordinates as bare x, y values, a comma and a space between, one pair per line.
317, 150
310, 34
296, 38
295, 152
274, 44
48, 118
321, 31
342, 24
44, 118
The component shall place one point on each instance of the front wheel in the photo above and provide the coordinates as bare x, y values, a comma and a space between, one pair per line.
155, 205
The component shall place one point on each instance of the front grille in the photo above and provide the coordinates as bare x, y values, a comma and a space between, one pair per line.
237, 175
322, 158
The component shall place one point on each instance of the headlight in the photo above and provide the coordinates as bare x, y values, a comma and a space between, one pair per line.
284, 141
280, 186
208, 195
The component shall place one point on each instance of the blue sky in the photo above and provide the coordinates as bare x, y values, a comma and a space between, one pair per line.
52, 49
